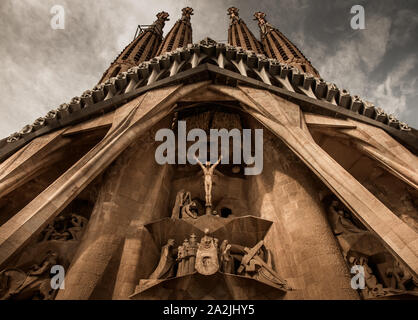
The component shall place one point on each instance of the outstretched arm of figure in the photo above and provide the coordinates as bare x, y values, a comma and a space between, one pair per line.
216, 163
200, 163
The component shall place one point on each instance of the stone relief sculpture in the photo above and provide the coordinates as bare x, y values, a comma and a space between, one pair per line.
187, 256
256, 265
181, 256
207, 258
191, 252
360, 247
373, 288
57, 230
184, 206
400, 277
165, 268
400, 280
65, 227
34, 284
231, 251
344, 228
227, 260
207, 255
78, 224
189, 210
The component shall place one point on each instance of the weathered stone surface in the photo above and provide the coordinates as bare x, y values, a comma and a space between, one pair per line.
83, 189
270, 110
16, 232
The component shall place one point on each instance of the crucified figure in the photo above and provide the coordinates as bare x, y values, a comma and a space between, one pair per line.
208, 174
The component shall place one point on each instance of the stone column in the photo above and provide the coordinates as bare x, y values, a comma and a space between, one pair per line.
130, 192
139, 251
304, 249
320, 268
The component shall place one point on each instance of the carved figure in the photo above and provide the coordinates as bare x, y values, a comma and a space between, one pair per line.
227, 261
255, 266
349, 235
373, 287
186, 248
65, 228
208, 175
60, 231
191, 253
341, 220
180, 260
400, 277
165, 267
189, 210
184, 206
35, 284
186, 13
79, 223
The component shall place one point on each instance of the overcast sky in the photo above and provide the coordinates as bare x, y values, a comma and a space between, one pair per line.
42, 68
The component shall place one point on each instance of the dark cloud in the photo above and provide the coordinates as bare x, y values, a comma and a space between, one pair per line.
42, 68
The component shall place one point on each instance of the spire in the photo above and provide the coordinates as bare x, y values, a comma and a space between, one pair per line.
180, 35
142, 48
277, 46
239, 35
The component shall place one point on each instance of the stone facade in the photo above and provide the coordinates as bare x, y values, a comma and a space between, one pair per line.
82, 189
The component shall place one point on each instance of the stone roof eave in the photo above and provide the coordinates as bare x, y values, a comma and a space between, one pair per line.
313, 95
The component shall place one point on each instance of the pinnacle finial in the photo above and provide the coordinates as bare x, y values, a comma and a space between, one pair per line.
265, 27
187, 13
163, 16
233, 13
261, 17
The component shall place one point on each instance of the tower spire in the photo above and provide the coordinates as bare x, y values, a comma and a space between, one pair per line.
239, 35
278, 46
180, 35
142, 48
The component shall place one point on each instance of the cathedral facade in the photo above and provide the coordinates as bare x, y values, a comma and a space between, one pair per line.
206, 170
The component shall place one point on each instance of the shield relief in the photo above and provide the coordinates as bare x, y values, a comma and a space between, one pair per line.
207, 258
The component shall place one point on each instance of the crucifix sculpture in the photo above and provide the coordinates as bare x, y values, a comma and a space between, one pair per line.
208, 170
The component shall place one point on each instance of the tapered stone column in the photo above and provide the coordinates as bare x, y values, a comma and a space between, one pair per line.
105, 264
277, 239
305, 251
139, 249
